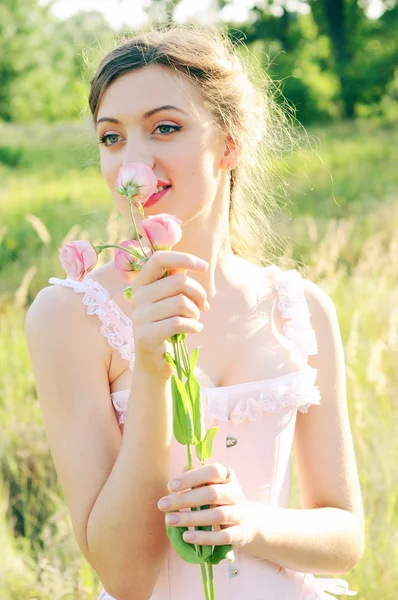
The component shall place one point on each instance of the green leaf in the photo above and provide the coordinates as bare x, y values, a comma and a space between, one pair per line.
128, 293
186, 551
206, 551
197, 409
182, 422
170, 360
208, 443
193, 359
219, 554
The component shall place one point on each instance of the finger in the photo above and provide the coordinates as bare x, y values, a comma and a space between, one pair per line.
230, 535
161, 260
175, 306
216, 494
173, 285
151, 335
211, 473
221, 515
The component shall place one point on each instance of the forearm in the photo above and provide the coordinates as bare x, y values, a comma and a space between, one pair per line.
319, 541
126, 532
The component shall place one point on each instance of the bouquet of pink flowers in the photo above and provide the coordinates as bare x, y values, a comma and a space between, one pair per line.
137, 182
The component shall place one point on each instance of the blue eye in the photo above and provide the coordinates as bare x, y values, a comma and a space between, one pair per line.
173, 127
108, 137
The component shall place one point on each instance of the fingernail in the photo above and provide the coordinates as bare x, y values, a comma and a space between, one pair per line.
172, 519
174, 485
202, 264
164, 503
207, 305
189, 537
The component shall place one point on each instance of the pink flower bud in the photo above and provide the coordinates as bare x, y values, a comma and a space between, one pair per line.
138, 179
127, 263
162, 230
78, 258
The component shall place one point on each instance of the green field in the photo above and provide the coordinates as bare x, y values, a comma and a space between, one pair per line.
341, 227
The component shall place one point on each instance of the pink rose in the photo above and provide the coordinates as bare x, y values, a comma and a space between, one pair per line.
138, 179
163, 231
126, 263
78, 258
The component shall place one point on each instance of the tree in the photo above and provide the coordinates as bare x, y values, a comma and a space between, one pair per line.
361, 54
21, 25
364, 52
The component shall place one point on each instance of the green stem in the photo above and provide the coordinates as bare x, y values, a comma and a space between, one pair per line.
175, 348
204, 579
116, 246
134, 224
211, 582
185, 357
190, 464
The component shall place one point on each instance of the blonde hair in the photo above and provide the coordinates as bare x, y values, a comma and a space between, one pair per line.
244, 111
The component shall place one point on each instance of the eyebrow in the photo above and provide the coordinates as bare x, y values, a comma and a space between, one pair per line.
147, 115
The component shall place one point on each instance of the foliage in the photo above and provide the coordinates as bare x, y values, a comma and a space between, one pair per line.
42, 61
331, 61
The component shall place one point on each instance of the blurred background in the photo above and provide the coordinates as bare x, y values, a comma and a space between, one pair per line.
335, 62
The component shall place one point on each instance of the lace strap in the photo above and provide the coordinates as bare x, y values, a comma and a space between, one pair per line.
116, 325
293, 307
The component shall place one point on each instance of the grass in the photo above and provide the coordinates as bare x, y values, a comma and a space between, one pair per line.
342, 230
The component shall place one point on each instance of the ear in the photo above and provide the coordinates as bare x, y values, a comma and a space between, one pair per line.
231, 155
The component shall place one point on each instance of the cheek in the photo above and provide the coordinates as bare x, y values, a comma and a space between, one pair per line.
109, 169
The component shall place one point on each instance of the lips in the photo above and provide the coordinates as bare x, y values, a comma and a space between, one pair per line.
158, 195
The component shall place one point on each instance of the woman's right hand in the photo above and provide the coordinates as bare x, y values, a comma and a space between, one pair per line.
164, 306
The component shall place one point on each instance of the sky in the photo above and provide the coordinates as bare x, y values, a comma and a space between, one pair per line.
131, 12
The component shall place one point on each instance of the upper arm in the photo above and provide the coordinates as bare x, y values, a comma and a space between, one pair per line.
69, 356
323, 441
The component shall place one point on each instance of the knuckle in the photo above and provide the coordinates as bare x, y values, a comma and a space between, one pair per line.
220, 515
176, 322
226, 536
220, 471
214, 472
182, 301
181, 279
214, 493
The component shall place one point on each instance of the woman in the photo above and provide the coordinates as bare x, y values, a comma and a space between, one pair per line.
271, 363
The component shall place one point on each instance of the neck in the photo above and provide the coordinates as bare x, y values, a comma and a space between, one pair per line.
207, 236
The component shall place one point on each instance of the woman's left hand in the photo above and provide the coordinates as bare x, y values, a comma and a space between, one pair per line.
229, 513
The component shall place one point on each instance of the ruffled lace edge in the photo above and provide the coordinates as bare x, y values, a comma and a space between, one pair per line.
297, 393
293, 307
108, 328
320, 588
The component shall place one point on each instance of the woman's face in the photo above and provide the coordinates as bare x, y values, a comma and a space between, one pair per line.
136, 123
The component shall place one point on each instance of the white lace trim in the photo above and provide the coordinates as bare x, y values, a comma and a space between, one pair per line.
293, 391
109, 329
296, 390
293, 306
317, 586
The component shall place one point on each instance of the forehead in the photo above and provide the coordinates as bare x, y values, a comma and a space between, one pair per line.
138, 91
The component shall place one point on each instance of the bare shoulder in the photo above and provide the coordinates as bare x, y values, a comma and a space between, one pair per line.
324, 321
318, 300
58, 312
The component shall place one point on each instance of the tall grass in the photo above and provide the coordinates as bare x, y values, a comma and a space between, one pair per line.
342, 231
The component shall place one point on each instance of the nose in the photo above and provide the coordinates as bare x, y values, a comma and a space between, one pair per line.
137, 151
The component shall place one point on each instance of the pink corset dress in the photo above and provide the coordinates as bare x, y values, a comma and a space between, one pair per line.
256, 423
